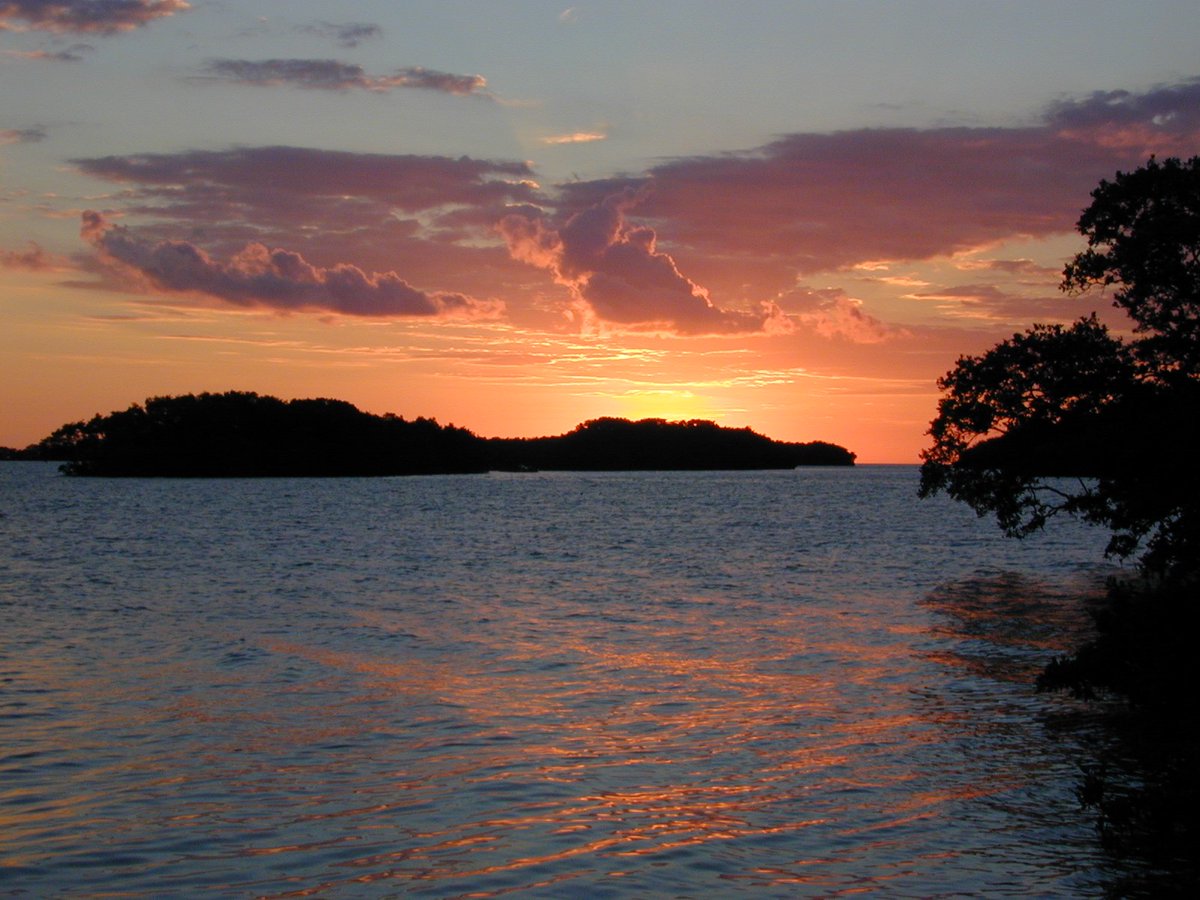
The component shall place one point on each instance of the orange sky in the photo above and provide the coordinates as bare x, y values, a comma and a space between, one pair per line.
554, 239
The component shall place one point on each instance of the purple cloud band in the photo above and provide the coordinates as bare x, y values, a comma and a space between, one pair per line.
274, 278
259, 180
88, 16
332, 75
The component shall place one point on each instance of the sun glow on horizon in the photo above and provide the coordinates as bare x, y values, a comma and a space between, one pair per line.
672, 404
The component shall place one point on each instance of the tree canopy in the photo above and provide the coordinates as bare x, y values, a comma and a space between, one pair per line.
1143, 234
1074, 420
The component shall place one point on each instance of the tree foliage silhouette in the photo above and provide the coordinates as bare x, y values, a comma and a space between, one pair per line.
1143, 233
1117, 416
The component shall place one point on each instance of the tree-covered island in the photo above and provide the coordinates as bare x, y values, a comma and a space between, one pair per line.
242, 434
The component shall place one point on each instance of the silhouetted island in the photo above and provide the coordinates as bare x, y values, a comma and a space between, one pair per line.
241, 434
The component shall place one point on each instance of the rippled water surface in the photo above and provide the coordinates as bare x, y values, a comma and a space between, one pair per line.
602, 685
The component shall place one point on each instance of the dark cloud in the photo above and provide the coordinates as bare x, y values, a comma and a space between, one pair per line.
432, 80
273, 278
307, 186
332, 75
86, 16
320, 74
346, 34
1174, 107
617, 274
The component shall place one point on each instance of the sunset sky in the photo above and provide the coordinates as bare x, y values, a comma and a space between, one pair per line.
516, 216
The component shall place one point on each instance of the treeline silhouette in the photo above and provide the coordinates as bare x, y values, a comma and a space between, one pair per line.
242, 434
619, 444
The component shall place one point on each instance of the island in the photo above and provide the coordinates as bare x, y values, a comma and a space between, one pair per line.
244, 434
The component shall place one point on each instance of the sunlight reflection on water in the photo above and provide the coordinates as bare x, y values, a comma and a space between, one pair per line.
612, 685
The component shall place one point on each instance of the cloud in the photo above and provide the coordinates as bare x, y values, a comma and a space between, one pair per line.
816, 202
431, 217
346, 34
332, 75
575, 137
73, 53
22, 135
831, 313
1115, 116
1025, 267
694, 245
304, 186
86, 16
273, 278
989, 302
34, 259
428, 79
617, 275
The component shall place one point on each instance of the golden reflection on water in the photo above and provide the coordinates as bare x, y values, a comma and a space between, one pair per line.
722, 720
593, 725
615, 751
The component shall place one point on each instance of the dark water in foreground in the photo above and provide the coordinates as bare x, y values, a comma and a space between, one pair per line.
602, 685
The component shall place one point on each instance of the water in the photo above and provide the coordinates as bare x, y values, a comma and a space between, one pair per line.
559, 684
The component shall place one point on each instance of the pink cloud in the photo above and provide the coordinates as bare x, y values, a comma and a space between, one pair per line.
617, 275
694, 245
815, 202
831, 313
332, 75
88, 16
34, 259
274, 278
